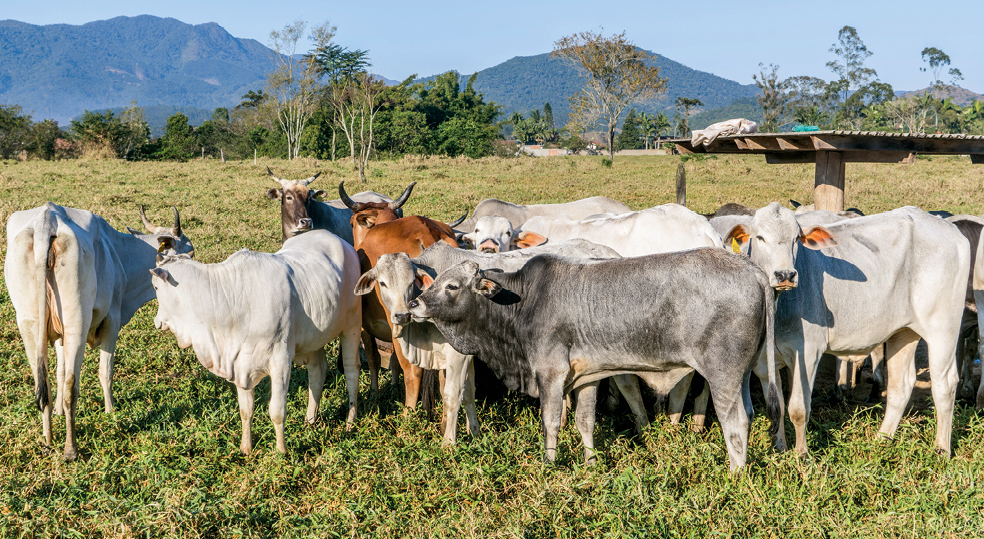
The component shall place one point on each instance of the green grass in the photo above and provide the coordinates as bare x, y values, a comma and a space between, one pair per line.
167, 463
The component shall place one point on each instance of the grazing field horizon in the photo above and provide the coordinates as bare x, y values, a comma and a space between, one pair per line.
166, 463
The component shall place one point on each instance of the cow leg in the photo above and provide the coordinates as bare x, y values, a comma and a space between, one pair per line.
69, 392
943, 382
348, 347
279, 384
628, 384
901, 367
107, 354
979, 301
246, 415
471, 414
455, 387
551, 389
372, 355
804, 373
877, 377
700, 408
317, 366
584, 418
678, 397
734, 411
761, 370
843, 380
42, 383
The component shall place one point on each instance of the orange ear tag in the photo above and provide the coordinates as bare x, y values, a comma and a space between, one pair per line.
734, 245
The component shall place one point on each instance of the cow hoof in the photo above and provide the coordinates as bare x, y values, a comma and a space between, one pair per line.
46, 450
71, 454
943, 452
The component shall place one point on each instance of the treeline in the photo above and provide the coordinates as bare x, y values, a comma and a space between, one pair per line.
433, 118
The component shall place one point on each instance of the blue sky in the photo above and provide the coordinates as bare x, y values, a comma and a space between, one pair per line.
725, 38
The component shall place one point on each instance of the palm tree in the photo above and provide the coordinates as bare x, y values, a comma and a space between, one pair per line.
646, 126
661, 124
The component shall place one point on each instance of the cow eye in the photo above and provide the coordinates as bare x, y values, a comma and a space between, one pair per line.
451, 287
290, 198
382, 284
760, 238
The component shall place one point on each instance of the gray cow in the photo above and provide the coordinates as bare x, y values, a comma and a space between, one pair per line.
560, 324
423, 344
892, 277
254, 314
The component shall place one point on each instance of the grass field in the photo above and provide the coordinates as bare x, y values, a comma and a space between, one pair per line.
166, 463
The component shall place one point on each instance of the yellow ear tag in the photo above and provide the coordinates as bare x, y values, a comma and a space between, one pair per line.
734, 245
161, 248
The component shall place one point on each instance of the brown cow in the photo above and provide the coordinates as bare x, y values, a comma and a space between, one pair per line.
410, 235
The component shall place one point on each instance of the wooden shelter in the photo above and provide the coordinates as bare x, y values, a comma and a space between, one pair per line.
831, 150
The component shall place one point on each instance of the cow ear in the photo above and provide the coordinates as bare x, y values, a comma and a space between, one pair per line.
166, 243
738, 236
525, 240
365, 283
487, 287
818, 237
366, 221
132, 231
423, 279
161, 274
319, 193
274, 193
465, 242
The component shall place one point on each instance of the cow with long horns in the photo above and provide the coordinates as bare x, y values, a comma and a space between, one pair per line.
301, 211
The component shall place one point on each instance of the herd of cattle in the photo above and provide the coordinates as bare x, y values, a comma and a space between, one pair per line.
553, 298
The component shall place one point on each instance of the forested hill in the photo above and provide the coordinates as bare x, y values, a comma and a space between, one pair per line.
57, 71
525, 83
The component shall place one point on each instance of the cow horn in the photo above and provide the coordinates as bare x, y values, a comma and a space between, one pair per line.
274, 176
146, 222
177, 223
352, 205
311, 179
459, 220
398, 203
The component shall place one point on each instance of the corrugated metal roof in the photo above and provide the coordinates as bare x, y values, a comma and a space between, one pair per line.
884, 134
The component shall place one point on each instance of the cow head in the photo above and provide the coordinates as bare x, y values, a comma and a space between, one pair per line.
369, 214
494, 234
454, 295
396, 280
170, 241
294, 197
773, 241
173, 304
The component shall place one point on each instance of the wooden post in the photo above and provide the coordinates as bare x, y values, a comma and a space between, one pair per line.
254, 156
203, 152
681, 184
222, 153
828, 190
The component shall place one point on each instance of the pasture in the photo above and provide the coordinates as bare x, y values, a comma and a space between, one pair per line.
166, 463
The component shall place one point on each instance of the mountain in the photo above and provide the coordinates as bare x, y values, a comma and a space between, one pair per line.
57, 71
525, 83
960, 96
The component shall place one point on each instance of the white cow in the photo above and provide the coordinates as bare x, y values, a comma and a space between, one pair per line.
661, 229
892, 277
518, 214
494, 234
423, 345
73, 279
255, 313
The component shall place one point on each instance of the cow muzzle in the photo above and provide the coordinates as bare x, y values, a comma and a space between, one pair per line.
785, 280
418, 311
303, 225
489, 246
401, 319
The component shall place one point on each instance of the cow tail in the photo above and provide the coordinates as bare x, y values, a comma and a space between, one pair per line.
44, 235
774, 405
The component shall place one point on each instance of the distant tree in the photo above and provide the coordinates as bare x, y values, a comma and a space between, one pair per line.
294, 83
938, 60
340, 66
773, 97
686, 104
616, 73
220, 115
178, 142
809, 100
100, 134
253, 100
15, 130
43, 140
137, 131
548, 119
628, 139
850, 68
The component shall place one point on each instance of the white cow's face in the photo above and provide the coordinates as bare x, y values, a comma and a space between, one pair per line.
773, 242
395, 278
494, 234
171, 303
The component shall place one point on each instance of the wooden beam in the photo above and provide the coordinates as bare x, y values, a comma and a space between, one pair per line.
791, 158
828, 190
858, 156
761, 143
790, 144
977, 159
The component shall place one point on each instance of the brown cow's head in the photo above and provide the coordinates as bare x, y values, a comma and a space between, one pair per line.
369, 214
294, 197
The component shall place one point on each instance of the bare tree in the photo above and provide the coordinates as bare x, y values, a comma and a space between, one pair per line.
617, 74
908, 113
294, 83
356, 102
773, 97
